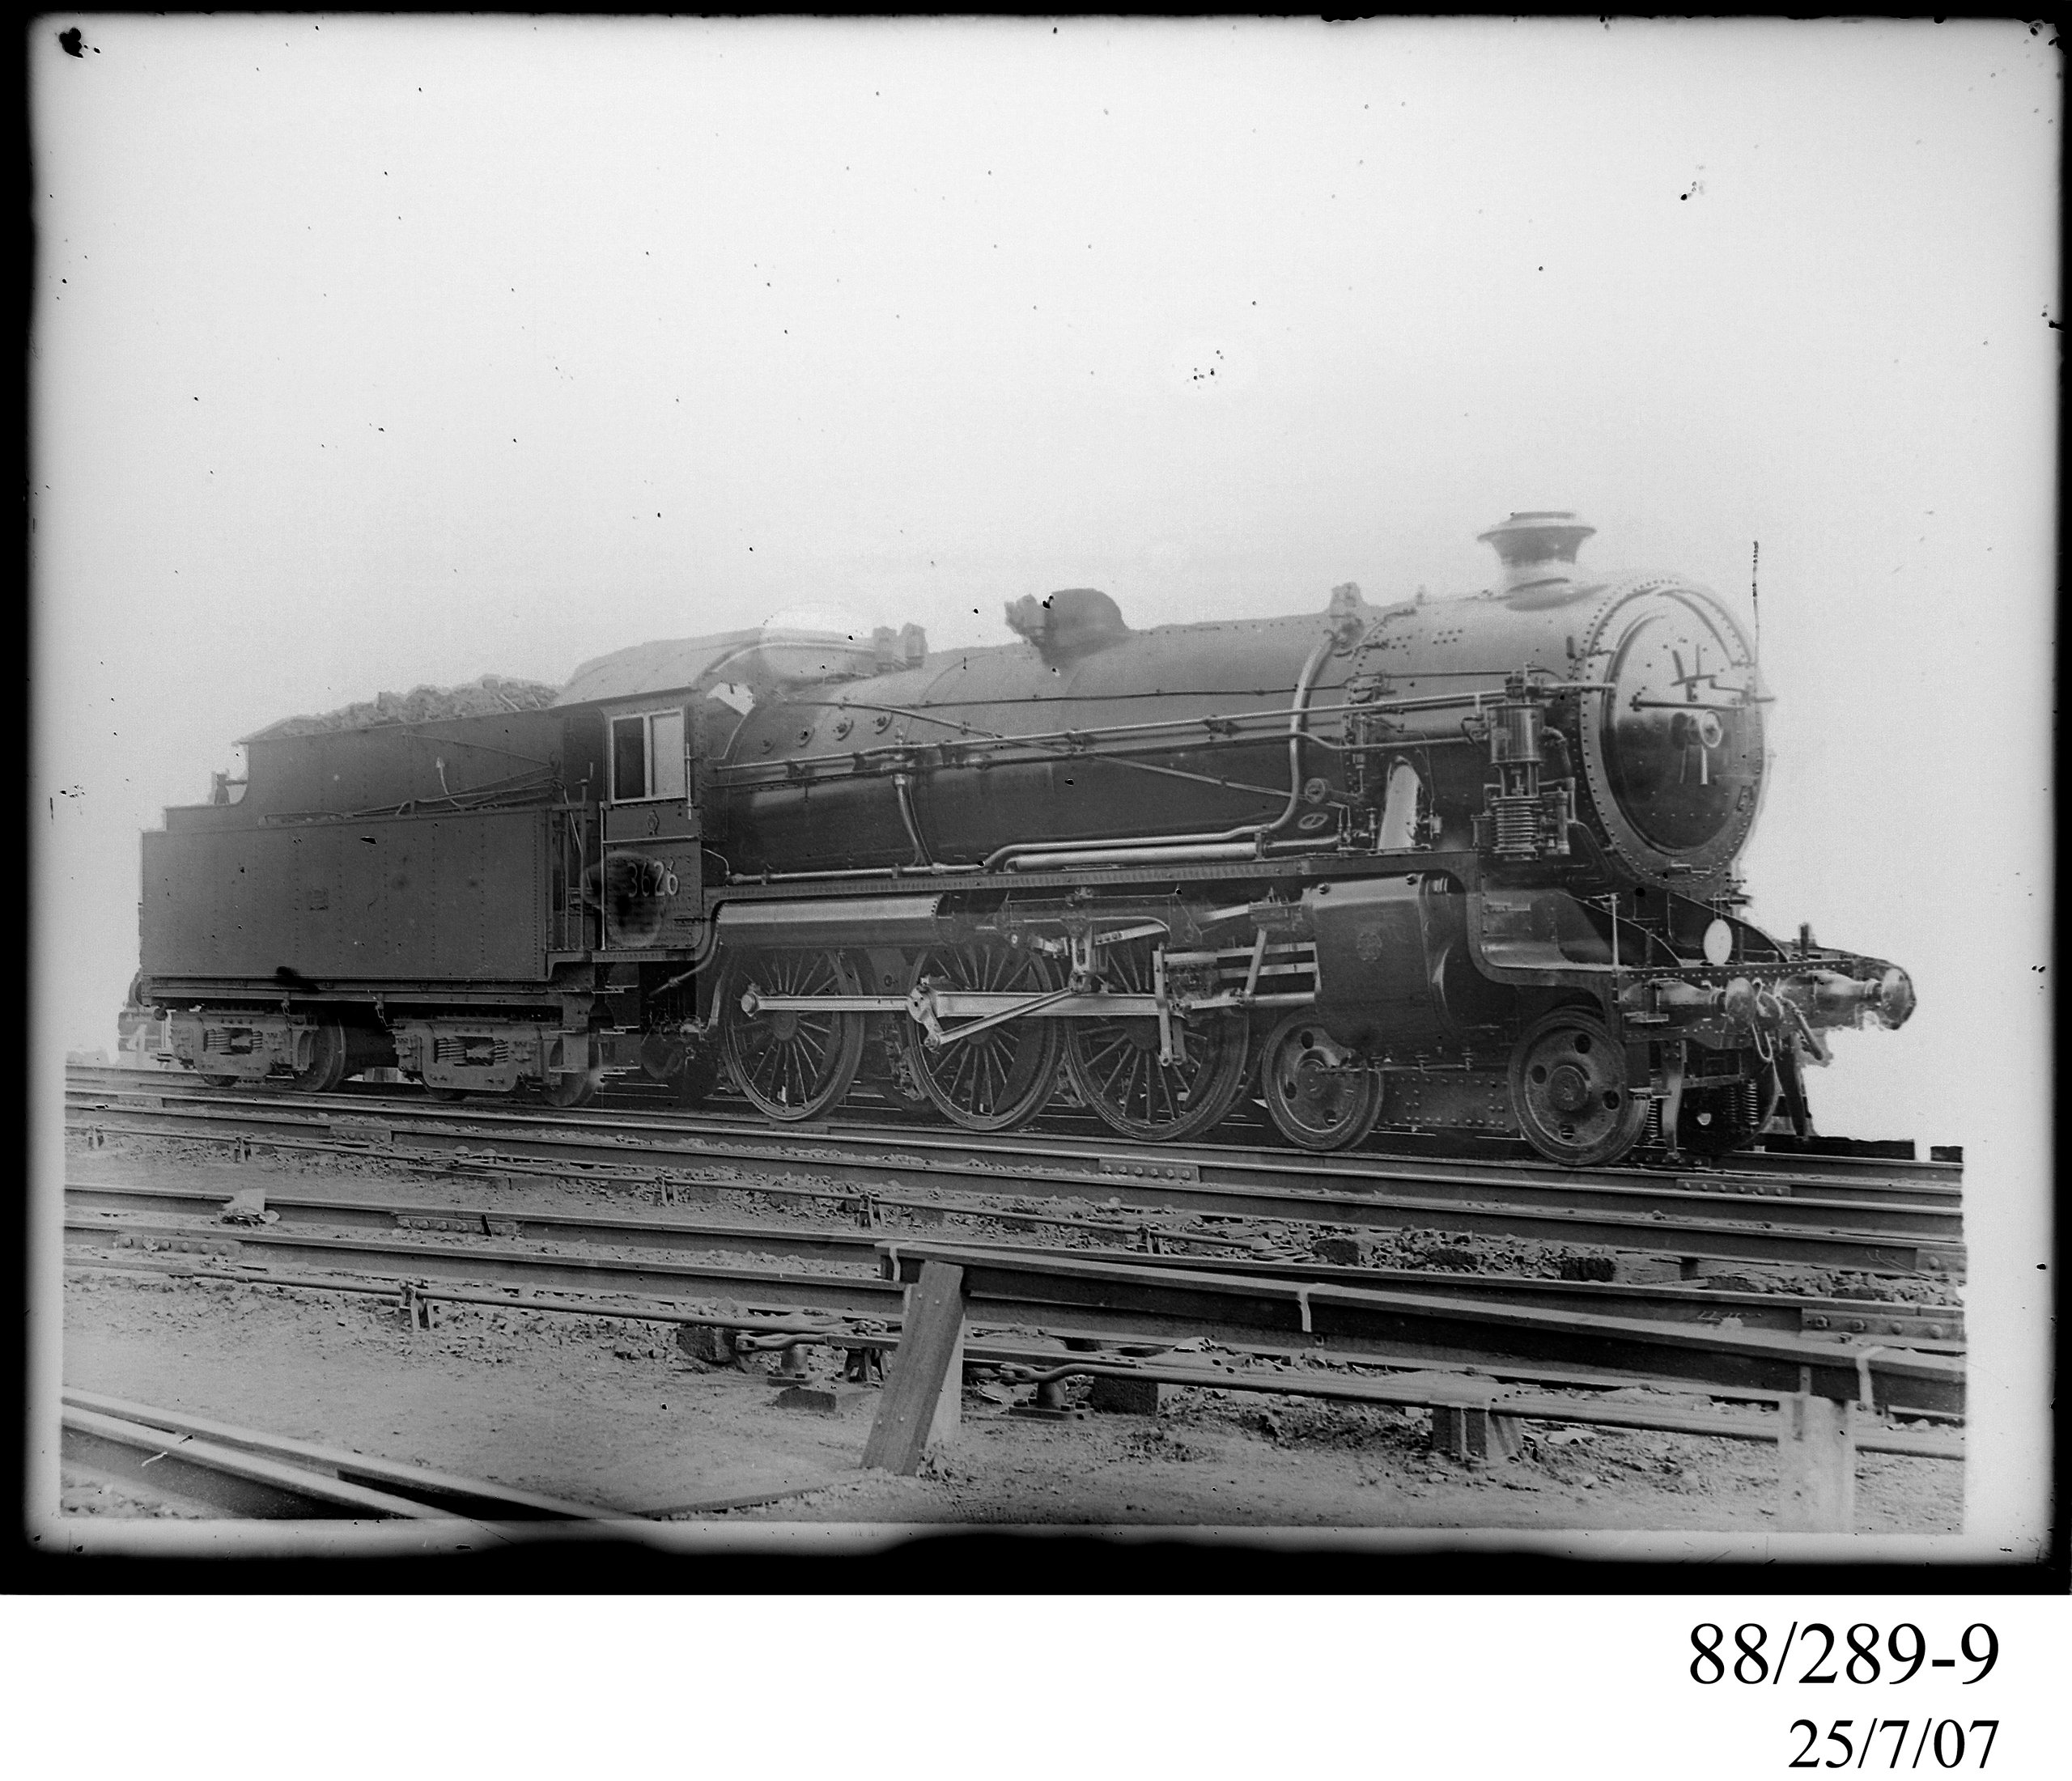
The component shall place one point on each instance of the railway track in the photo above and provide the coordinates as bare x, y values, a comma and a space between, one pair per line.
1553, 1347
1539, 1393
166, 1214
1120, 1299
1869, 1223
1236, 1142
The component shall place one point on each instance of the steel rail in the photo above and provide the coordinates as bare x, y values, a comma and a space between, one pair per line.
1714, 1227
1896, 1320
645, 1231
230, 1480
858, 1331
1145, 1301
1107, 1298
1531, 1406
1221, 1164
1070, 1347
1936, 1184
422, 1491
400, 1259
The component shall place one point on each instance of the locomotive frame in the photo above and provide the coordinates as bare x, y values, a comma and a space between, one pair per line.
1463, 865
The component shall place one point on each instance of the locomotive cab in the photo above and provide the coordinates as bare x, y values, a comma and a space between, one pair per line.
646, 884
664, 713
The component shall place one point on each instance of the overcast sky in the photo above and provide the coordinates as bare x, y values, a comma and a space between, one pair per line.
372, 352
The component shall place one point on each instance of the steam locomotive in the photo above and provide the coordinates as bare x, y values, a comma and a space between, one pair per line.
1459, 865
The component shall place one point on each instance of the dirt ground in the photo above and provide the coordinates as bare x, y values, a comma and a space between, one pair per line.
610, 1412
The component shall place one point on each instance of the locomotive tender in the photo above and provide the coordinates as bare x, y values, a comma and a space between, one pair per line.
1456, 865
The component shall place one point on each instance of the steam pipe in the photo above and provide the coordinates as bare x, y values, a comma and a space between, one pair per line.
1176, 852
1435, 701
1161, 846
903, 784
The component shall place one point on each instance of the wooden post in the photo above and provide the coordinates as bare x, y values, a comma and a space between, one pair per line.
925, 1383
1474, 1433
1465, 1425
1816, 1465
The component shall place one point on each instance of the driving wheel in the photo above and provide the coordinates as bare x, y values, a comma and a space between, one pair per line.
791, 1063
999, 1078
1115, 1065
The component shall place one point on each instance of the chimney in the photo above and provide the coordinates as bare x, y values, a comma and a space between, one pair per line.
1538, 553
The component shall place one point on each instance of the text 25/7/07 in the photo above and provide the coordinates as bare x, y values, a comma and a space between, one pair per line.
1947, 1741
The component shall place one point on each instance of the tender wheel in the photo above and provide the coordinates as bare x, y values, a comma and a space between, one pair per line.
442, 1094
222, 1082
1713, 1121
575, 1089
1114, 1064
792, 1063
999, 1078
327, 1062
1318, 1095
1569, 1092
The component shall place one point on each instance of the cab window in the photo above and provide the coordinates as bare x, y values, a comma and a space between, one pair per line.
647, 756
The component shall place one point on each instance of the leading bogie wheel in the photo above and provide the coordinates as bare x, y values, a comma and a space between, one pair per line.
1570, 1092
1317, 1093
1003, 1077
791, 1063
1114, 1062
1721, 1117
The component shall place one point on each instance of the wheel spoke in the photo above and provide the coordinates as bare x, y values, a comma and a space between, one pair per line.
759, 1061
1118, 1043
995, 1075
960, 1073
977, 1075
1125, 1073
